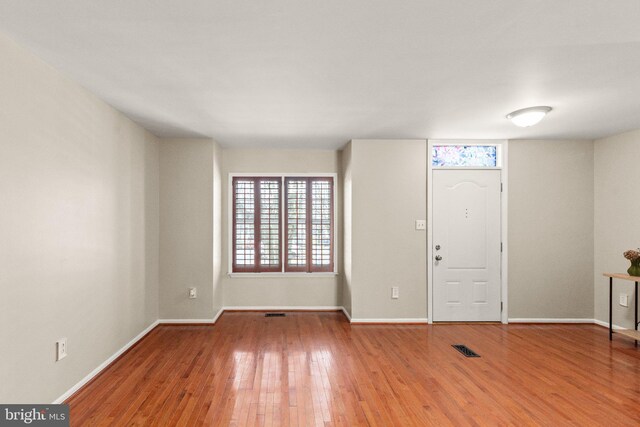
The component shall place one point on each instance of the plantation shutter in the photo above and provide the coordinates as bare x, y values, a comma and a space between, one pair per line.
256, 224
309, 224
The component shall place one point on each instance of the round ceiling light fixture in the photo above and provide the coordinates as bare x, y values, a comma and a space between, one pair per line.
528, 116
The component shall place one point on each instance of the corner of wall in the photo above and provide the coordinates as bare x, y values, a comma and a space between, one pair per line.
397, 170
346, 228
187, 232
218, 297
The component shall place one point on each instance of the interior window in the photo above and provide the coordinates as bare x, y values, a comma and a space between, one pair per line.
465, 156
260, 232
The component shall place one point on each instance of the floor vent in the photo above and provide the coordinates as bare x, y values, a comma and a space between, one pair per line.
465, 350
274, 315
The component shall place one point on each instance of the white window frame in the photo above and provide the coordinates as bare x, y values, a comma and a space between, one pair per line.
282, 225
502, 163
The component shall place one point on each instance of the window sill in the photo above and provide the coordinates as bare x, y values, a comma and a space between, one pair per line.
281, 275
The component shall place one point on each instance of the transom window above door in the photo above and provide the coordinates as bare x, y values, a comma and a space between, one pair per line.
476, 156
283, 224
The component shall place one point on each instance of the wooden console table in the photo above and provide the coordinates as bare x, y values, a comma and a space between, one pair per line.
630, 333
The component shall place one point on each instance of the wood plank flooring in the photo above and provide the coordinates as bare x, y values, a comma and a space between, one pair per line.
317, 369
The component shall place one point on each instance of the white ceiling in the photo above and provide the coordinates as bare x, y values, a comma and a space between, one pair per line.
316, 73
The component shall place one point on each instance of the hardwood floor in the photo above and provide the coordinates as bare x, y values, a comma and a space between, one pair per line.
317, 369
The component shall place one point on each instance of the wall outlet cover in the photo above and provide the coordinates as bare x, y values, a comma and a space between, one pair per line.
193, 293
421, 224
61, 349
624, 300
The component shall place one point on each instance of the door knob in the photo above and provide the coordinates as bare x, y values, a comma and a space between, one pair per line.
438, 258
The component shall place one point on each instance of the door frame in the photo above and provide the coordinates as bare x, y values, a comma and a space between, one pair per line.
503, 151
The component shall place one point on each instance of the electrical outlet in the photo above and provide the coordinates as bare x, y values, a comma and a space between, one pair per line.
421, 224
395, 292
61, 349
193, 293
624, 300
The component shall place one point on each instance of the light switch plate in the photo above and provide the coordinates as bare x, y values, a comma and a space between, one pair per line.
421, 224
395, 292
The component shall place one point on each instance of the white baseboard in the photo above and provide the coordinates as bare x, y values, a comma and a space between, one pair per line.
252, 308
182, 321
549, 320
218, 314
606, 324
323, 308
104, 364
397, 321
283, 308
564, 320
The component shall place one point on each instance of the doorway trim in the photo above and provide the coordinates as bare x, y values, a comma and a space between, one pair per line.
503, 145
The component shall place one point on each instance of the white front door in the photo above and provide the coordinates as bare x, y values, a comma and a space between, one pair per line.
466, 245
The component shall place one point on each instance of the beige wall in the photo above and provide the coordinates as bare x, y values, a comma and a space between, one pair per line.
279, 291
551, 229
388, 193
347, 245
187, 172
617, 209
78, 226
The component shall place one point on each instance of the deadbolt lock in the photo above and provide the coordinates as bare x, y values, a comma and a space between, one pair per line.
437, 247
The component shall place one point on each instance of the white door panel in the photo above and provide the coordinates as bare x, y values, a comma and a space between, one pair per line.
466, 227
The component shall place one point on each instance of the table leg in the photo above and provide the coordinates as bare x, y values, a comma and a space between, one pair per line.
610, 308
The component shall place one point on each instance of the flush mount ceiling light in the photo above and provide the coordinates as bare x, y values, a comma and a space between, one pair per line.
528, 116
